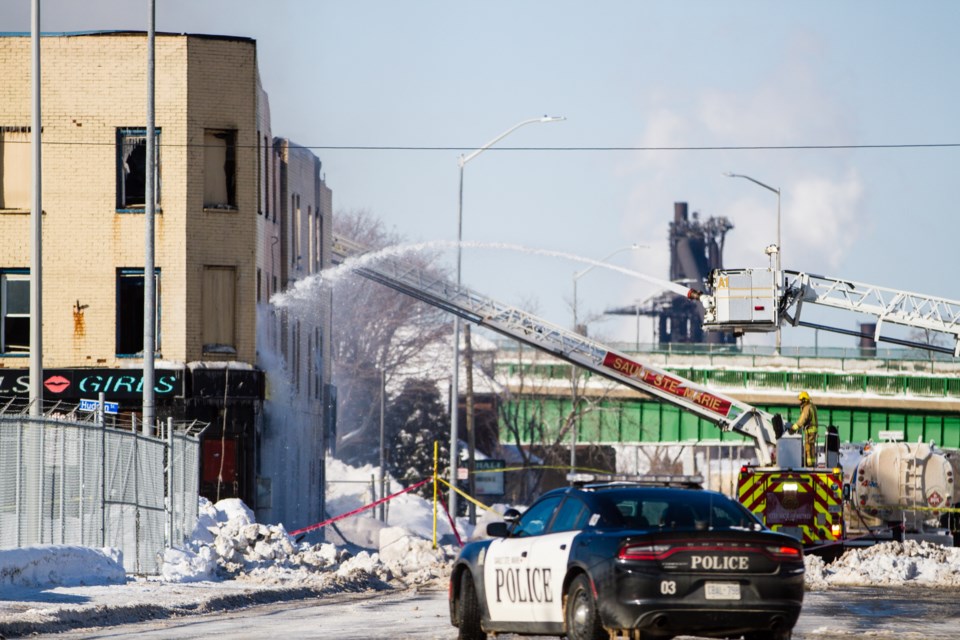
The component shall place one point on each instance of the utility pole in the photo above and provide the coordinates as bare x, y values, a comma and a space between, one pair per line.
149, 279
36, 230
471, 424
383, 452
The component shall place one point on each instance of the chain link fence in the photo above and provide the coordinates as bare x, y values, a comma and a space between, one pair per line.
70, 478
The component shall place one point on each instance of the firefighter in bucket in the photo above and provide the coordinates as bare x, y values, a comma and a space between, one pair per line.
807, 425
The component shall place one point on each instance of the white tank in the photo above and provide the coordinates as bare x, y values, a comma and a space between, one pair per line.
898, 482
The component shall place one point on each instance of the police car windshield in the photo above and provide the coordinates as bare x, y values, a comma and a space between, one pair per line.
664, 508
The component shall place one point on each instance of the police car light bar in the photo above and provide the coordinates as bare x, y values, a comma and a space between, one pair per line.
666, 480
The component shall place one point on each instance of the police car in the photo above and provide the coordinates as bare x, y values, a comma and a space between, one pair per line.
651, 559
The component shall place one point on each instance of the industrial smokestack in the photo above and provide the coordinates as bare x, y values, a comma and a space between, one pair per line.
868, 346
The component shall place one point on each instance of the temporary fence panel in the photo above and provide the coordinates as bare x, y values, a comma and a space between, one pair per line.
79, 483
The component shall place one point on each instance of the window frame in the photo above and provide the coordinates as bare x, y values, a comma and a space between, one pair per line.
134, 272
208, 298
20, 275
23, 163
124, 133
230, 137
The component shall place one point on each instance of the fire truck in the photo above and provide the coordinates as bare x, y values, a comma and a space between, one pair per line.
893, 489
808, 503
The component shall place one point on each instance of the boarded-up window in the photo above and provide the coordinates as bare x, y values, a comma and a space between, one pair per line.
15, 154
219, 309
219, 169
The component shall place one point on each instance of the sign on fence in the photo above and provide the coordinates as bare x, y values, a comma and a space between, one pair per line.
92, 405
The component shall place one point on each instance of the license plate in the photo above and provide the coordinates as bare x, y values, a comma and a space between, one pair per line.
722, 591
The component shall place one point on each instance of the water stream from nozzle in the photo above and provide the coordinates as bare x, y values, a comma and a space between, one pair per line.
305, 288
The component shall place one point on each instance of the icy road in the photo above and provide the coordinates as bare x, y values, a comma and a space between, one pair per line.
846, 613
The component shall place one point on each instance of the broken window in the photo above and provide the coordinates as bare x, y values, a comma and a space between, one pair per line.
219, 309
16, 178
132, 169
130, 311
219, 169
15, 311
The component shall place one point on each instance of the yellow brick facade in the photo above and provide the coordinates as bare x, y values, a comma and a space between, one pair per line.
223, 240
92, 86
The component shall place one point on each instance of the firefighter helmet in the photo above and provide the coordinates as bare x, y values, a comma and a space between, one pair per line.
803, 396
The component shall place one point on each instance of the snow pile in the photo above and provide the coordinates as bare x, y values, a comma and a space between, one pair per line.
228, 543
54, 565
407, 553
349, 488
888, 563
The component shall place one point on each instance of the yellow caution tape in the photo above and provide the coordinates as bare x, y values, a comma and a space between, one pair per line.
565, 467
466, 495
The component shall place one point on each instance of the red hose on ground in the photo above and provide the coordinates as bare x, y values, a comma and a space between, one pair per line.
452, 524
361, 509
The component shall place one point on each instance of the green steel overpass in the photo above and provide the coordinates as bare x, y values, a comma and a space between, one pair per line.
862, 394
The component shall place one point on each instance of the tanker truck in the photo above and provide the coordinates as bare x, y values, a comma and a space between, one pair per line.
897, 488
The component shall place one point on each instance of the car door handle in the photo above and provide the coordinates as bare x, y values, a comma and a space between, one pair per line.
523, 555
563, 547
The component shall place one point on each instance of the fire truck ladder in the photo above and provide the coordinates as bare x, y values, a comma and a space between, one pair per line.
886, 305
727, 413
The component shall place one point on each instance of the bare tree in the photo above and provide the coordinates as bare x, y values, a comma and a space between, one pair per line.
377, 333
537, 415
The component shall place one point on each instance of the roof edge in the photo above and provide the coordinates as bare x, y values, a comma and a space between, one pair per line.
121, 32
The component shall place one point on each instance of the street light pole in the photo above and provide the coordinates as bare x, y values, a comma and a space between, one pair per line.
573, 369
778, 274
455, 375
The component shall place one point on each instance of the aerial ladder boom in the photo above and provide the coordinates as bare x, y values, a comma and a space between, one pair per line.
914, 310
751, 300
728, 413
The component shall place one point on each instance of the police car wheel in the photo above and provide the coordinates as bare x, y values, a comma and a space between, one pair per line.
583, 622
469, 610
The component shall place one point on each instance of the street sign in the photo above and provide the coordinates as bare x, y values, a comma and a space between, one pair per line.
489, 477
92, 405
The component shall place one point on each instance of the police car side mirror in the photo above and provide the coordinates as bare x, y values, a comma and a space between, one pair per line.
511, 516
498, 530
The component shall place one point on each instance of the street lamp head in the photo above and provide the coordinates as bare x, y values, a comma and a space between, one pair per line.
464, 159
633, 247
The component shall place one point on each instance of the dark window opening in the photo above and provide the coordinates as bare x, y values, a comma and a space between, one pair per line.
15, 311
220, 169
130, 311
132, 168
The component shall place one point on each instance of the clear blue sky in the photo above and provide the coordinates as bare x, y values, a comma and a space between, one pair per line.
625, 73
